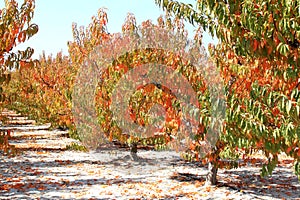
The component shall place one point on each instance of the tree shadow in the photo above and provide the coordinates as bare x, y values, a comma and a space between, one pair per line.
187, 177
26, 179
25, 176
281, 184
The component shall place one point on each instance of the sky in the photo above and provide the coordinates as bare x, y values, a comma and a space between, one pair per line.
55, 18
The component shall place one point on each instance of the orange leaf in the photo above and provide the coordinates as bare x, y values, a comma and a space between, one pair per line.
289, 149
255, 45
207, 189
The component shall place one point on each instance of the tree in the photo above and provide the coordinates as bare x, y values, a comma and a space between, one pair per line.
145, 96
258, 55
15, 28
44, 91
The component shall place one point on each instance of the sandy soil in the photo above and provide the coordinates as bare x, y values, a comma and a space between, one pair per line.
111, 174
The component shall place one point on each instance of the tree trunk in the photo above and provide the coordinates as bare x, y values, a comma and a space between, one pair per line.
133, 151
211, 177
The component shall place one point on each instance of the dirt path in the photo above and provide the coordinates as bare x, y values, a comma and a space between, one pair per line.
26, 134
111, 174
52, 172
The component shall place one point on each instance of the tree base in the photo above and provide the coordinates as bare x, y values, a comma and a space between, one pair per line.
133, 152
211, 177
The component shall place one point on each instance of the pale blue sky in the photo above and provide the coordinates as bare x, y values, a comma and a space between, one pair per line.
55, 19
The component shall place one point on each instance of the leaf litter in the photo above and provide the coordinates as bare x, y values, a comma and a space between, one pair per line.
111, 174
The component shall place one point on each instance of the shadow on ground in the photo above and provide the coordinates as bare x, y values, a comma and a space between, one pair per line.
33, 175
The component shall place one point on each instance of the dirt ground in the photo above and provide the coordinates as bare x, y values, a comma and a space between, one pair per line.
111, 174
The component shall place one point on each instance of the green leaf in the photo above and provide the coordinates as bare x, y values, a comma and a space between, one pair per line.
283, 49
288, 106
